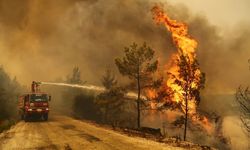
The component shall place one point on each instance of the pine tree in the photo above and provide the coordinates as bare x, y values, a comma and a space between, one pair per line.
108, 79
75, 77
138, 64
110, 101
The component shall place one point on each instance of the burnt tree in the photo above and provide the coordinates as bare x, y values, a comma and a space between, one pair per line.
243, 98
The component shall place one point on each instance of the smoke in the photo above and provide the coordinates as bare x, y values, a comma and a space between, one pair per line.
43, 40
232, 128
71, 33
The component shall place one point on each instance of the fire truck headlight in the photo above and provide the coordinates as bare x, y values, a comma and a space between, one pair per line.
29, 109
47, 108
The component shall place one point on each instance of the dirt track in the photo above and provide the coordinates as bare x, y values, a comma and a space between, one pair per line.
62, 132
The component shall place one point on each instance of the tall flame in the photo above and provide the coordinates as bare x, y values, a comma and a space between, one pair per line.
186, 46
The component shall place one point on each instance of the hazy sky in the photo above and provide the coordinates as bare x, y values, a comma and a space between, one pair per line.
44, 39
220, 12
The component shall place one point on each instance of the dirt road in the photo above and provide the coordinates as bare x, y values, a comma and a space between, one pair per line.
62, 132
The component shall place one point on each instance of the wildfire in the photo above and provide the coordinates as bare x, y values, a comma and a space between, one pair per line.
186, 46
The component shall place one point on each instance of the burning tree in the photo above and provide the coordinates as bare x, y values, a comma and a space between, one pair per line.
138, 65
190, 81
185, 80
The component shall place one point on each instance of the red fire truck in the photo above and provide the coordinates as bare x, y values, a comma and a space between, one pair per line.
34, 104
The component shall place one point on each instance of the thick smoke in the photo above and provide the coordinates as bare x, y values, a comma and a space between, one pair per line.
44, 40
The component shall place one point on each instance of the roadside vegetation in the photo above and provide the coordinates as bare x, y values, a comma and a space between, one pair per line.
138, 64
112, 106
9, 91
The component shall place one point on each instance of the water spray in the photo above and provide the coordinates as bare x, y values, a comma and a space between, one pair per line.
87, 87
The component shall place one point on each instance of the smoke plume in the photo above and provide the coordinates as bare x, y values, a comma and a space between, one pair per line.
44, 40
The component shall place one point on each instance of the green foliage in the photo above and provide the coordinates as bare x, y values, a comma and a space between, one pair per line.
137, 62
108, 79
84, 106
139, 66
111, 103
75, 77
9, 91
79, 102
70, 94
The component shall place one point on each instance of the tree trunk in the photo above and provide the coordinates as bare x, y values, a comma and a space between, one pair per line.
186, 116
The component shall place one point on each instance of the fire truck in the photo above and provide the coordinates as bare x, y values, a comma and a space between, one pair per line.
34, 104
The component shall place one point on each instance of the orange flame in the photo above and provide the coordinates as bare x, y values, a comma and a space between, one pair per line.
186, 46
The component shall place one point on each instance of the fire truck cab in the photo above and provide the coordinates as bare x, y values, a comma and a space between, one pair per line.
34, 104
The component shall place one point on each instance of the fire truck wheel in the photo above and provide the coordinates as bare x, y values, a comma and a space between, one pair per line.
26, 118
45, 117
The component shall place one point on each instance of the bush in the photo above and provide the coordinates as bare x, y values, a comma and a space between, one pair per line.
5, 125
84, 106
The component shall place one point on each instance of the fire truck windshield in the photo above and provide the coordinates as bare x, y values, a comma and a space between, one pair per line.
38, 97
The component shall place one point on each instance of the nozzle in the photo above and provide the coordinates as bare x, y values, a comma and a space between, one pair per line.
36, 82
35, 86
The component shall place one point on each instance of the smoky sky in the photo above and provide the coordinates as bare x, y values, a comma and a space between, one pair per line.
43, 40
